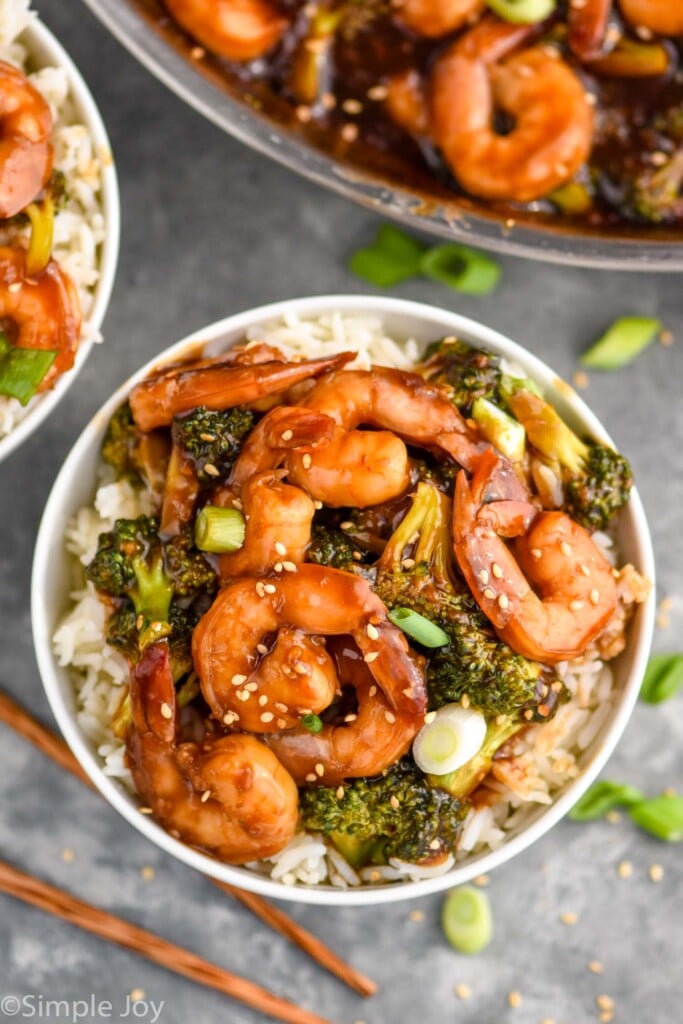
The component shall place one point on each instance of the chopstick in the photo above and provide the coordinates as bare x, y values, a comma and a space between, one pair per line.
13, 715
167, 954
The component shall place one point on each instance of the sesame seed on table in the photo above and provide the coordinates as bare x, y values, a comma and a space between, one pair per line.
211, 228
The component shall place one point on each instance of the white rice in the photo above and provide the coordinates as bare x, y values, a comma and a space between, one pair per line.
553, 751
79, 228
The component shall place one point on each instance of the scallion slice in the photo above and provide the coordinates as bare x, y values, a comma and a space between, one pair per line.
418, 627
461, 268
621, 343
22, 369
219, 530
663, 678
393, 257
466, 919
602, 797
312, 723
41, 216
661, 817
522, 12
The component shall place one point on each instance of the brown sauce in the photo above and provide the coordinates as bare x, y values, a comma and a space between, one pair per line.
639, 122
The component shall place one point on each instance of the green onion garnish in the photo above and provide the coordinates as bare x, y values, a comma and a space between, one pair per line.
461, 268
466, 920
418, 627
663, 678
219, 530
312, 723
661, 817
621, 343
41, 216
522, 12
393, 257
22, 369
603, 797
572, 198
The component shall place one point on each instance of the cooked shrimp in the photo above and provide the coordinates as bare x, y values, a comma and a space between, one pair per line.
232, 647
42, 311
365, 743
553, 129
283, 429
239, 30
364, 468
25, 149
406, 102
436, 18
665, 17
552, 555
227, 794
278, 526
588, 20
218, 385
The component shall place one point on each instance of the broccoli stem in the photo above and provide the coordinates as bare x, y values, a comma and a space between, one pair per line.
465, 780
154, 592
423, 535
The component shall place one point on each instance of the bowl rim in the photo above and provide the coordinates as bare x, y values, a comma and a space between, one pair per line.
384, 198
50, 533
41, 42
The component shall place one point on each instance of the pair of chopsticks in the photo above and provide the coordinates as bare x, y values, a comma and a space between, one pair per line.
175, 958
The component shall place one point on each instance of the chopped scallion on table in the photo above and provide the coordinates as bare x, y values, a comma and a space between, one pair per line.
621, 343
663, 678
461, 268
661, 817
602, 797
466, 920
219, 530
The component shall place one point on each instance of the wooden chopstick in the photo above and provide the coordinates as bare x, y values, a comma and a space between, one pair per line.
13, 715
167, 954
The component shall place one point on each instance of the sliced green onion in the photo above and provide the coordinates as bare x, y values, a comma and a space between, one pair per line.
418, 627
393, 257
312, 723
622, 342
503, 431
219, 530
453, 737
522, 12
466, 920
572, 198
22, 369
663, 678
461, 268
603, 797
41, 216
661, 817
510, 385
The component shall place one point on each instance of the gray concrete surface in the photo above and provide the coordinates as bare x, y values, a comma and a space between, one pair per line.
210, 228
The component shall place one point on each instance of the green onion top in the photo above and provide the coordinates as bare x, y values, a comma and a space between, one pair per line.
522, 12
418, 627
663, 678
219, 530
621, 343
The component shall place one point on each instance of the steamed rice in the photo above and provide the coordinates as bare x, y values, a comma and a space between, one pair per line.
79, 228
552, 751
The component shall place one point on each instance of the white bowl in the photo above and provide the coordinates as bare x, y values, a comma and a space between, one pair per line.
75, 486
46, 51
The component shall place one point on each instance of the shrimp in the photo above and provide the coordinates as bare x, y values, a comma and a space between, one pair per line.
248, 677
41, 312
434, 18
665, 17
283, 429
217, 385
363, 468
278, 526
25, 149
240, 30
588, 21
552, 555
553, 129
406, 102
227, 794
364, 744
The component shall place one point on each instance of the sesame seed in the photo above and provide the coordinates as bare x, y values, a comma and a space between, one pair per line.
136, 995
496, 570
311, 777
205, 795
349, 132
147, 872
435, 844
371, 656
303, 113
482, 881
594, 596
528, 714
289, 566
463, 991
328, 100
514, 999
606, 1016
340, 792
352, 106
372, 691
238, 679
346, 525
287, 435
301, 669
306, 460
317, 504
263, 700
320, 769
374, 877
281, 723
69, 855
236, 503
569, 917
625, 869
408, 563
429, 717
270, 588
666, 338
230, 716
565, 549
261, 648
372, 631
267, 716
465, 700
166, 710
350, 718
14, 287
145, 810
251, 687
208, 437
656, 872
613, 817
259, 588
278, 567
536, 553
484, 576
503, 601
394, 802
576, 606
279, 706
390, 717
280, 547
605, 1002
489, 594
580, 379
211, 470
243, 695
595, 967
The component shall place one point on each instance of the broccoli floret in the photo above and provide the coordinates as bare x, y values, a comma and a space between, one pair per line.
330, 546
121, 441
597, 480
397, 814
418, 574
189, 570
462, 782
441, 474
212, 439
658, 191
129, 563
470, 372
124, 633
